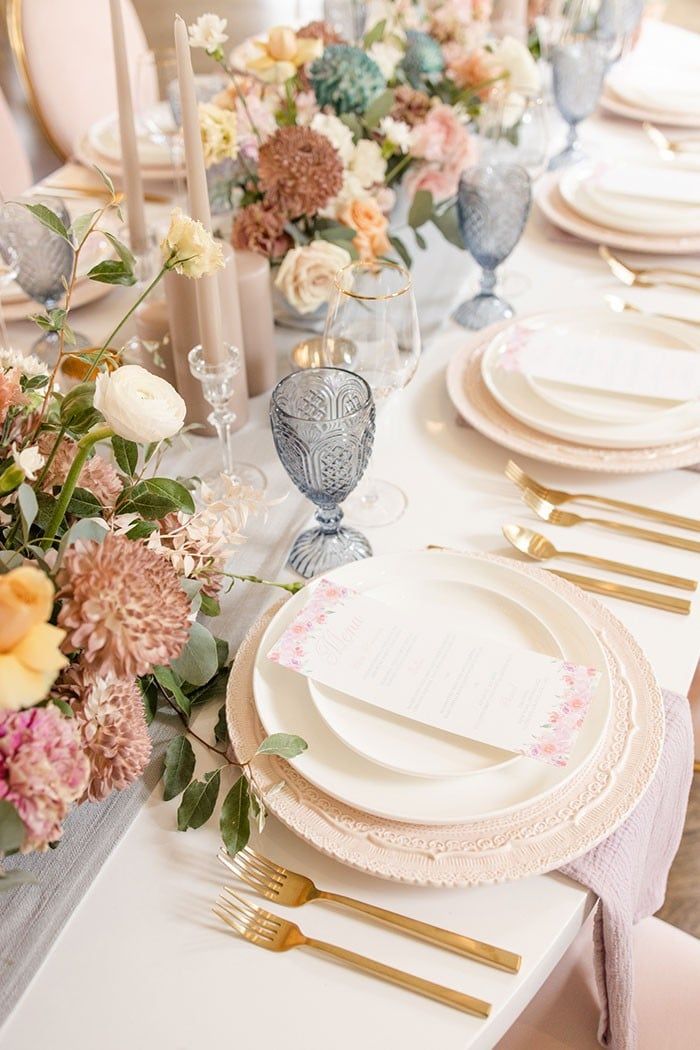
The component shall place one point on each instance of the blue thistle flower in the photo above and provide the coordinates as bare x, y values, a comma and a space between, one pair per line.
346, 78
423, 58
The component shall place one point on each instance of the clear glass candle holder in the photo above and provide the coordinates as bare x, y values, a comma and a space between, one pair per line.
218, 384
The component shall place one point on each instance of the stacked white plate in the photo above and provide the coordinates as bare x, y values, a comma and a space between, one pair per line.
101, 144
659, 93
641, 207
569, 423
372, 787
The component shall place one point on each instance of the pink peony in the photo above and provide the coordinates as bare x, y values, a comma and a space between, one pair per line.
43, 771
441, 182
443, 138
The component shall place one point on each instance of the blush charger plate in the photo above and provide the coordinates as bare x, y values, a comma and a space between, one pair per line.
477, 406
536, 838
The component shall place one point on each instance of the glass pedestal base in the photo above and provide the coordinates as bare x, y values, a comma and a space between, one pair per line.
481, 311
316, 551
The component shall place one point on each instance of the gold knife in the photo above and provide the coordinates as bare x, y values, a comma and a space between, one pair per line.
628, 594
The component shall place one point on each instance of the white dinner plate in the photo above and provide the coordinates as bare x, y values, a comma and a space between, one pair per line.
661, 88
404, 745
583, 190
521, 398
283, 703
104, 138
553, 206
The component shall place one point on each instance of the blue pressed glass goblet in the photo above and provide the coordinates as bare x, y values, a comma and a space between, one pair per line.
44, 261
493, 203
578, 71
323, 427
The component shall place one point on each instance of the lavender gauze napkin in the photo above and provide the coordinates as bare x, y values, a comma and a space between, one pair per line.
628, 873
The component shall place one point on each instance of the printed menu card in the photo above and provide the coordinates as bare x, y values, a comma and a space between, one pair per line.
617, 365
441, 675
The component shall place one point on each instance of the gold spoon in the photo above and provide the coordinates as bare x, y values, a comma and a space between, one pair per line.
538, 547
687, 144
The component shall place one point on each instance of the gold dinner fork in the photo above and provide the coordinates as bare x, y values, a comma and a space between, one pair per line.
666, 145
291, 889
269, 931
518, 476
648, 278
548, 512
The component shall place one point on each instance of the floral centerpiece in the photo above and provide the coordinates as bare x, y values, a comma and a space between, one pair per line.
104, 565
323, 133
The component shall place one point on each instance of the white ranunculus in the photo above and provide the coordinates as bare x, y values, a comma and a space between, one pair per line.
337, 133
218, 128
139, 406
397, 132
30, 460
306, 275
368, 164
189, 249
387, 56
516, 60
209, 32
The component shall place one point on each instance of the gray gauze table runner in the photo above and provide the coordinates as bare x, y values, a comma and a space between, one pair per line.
32, 915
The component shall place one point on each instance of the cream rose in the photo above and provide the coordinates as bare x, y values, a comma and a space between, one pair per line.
189, 249
306, 274
218, 128
367, 163
518, 63
337, 133
209, 32
364, 216
137, 405
30, 656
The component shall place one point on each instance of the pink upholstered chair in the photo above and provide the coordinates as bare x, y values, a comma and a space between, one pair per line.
15, 171
564, 1013
63, 52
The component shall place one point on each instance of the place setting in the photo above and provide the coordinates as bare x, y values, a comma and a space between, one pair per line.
332, 672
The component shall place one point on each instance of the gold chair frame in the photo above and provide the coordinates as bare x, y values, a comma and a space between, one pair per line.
19, 53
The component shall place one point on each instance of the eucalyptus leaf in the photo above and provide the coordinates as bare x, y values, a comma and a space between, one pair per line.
49, 219
80, 227
153, 498
337, 233
141, 530
126, 454
209, 605
105, 178
84, 504
167, 679
234, 822
150, 696
422, 208
10, 560
179, 767
28, 507
121, 249
379, 108
420, 240
375, 34
447, 223
10, 478
112, 271
12, 829
85, 529
197, 662
65, 709
285, 745
198, 802
221, 727
222, 651
401, 250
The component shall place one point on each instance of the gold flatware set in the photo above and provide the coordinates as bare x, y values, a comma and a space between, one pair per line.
546, 503
666, 146
650, 277
267, 930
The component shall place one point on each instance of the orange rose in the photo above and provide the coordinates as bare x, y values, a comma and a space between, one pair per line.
365, 218
30, 656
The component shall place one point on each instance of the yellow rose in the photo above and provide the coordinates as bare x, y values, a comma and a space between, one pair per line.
189, 249
280, 56
30, 656
364, 216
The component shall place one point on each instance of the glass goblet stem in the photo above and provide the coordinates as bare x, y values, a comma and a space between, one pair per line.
222, 419
488, 281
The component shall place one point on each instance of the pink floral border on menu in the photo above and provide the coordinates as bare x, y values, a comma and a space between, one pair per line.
556, 737
290, 650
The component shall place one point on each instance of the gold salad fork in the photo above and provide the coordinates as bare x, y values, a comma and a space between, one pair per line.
518, 476
269, 931
548, 512
648, 278
291, 889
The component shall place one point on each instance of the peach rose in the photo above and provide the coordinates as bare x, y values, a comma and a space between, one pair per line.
365, 217
476, 70
30, 656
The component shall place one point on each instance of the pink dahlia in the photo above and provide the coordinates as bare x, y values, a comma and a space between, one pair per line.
110, 717
43, 770
123, 605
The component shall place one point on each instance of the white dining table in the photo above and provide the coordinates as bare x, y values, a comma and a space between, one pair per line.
143, 963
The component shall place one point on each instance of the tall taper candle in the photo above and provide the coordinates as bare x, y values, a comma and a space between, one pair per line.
131, 171
208, 302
